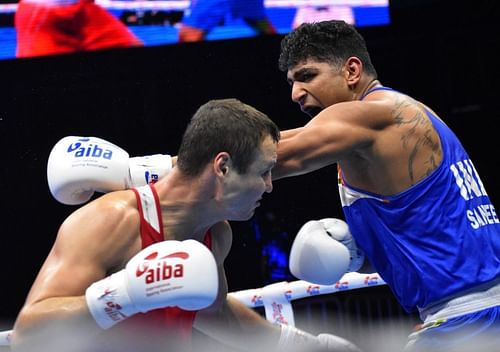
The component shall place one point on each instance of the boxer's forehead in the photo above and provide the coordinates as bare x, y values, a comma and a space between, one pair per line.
267, 155
303, 69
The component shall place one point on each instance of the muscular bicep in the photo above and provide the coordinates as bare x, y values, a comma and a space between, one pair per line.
67, 271
89, 245
319, 145
57, 297
92, 242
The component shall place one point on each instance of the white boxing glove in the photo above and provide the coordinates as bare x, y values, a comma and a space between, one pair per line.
79, 166
165, 274
296, 340
339, 230
317, 256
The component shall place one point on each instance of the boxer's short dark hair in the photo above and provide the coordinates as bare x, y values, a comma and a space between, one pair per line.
327, 41
225, 125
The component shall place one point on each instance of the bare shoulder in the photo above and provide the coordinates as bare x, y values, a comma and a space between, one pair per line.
405, 109
411, 121
380, 111
222, 239
372, 114
94, 241
409, 139
108, 225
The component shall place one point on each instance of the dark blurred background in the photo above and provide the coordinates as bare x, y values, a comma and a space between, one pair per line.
440, 52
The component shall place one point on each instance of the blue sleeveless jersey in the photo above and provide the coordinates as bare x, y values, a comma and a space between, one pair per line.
434, 240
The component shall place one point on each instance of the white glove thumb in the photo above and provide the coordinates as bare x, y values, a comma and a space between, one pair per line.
316, 257
339, 230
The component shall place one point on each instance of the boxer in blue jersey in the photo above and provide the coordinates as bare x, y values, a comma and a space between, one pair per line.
411, 195
205, 15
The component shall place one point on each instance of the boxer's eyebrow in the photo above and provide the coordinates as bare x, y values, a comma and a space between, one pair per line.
302, 75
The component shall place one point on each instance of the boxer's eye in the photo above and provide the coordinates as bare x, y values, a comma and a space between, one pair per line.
307, 77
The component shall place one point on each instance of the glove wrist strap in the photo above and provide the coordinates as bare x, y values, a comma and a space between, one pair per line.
147, 169
108, 300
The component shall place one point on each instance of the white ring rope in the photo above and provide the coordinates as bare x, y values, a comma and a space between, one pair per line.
276, 298
180, 5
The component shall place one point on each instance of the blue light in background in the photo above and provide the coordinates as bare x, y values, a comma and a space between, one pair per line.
153, 35
276, 259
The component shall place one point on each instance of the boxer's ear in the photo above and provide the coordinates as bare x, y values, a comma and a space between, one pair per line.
222, 163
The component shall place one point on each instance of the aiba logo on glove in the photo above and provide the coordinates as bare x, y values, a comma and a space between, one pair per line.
82, 149
162, 270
